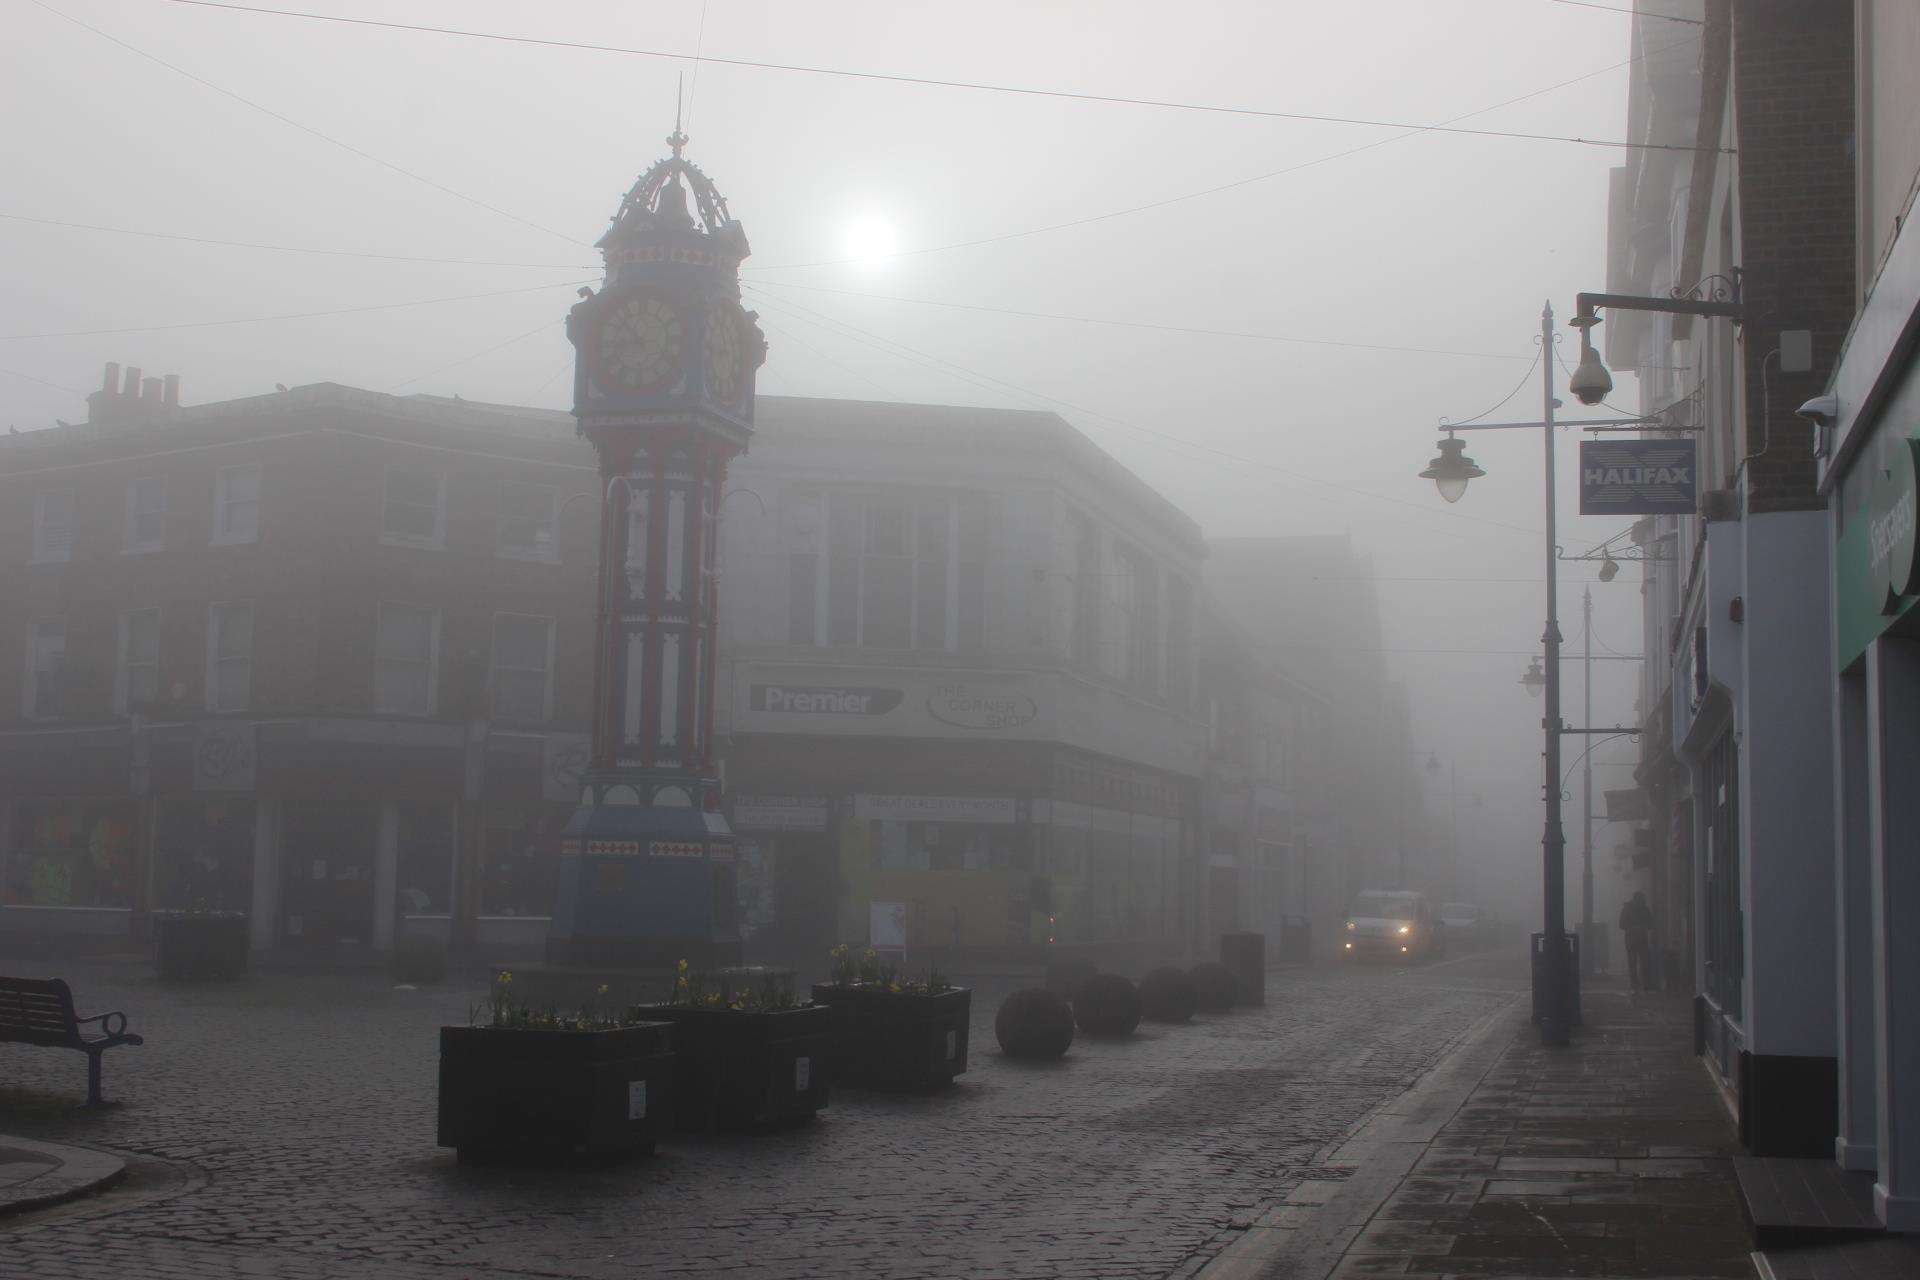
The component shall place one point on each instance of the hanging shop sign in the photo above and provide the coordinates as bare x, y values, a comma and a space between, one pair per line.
1638, 477
223, 756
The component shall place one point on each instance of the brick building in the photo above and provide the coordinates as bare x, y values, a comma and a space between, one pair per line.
306, 654
1739, 763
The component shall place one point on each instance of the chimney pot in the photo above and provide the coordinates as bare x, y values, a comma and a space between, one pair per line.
173, 391
113, 376
150, 390
132, 387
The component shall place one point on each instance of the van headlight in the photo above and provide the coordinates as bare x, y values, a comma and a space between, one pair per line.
1351, 926
1406, 929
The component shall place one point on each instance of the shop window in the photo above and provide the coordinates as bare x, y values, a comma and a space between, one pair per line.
424, 867
415, 511
327, 849
52, 528
522, 860
236, 504
229, 656
1083, 627
138, 682
528, 529
146, 513
406, 650
71, 854
902, 573
203, 853
522, 668
43, 695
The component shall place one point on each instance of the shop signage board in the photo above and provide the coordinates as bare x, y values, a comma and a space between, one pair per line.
1877, 559
1638, 477
781, 813
999, 810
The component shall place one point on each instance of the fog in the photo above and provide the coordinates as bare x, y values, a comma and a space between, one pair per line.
1384, 278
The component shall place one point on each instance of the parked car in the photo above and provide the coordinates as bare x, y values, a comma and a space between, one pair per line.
1464, 923
1398, 924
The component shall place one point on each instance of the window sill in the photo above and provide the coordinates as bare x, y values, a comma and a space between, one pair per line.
143, 551
233, 541
412, 544
528, 557
40, 560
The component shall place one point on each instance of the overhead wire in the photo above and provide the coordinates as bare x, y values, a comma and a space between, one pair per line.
545, 326
1167, 437
933, 81
297, 315
1164, 202
1140, 324
304, 128
290, 248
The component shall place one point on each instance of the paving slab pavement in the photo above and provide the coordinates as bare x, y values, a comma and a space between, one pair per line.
1609, 1158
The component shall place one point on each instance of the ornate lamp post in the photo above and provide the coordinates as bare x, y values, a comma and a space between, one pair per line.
663, 389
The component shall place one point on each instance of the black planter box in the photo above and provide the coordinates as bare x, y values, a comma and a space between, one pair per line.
538, 1094
895, 1040
735, 1069
200, 944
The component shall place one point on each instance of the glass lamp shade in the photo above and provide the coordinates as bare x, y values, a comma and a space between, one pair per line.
1451, 470
1535, 680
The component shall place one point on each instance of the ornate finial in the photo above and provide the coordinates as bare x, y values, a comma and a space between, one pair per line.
678, 138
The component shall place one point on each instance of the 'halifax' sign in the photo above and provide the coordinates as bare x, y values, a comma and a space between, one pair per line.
1637, 478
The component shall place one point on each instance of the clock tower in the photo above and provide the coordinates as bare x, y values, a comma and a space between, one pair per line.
665, 361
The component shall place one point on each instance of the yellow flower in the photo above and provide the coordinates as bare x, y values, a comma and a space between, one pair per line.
600, 990
506, 976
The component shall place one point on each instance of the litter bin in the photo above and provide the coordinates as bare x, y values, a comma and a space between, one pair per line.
1541, 985
1245, 955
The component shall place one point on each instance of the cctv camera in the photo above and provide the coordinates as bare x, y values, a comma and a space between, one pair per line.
1819, 410
1590, 382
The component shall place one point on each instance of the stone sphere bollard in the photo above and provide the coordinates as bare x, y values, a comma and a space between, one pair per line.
1167, 995
1034, 1023
1214, 986
1107, 1005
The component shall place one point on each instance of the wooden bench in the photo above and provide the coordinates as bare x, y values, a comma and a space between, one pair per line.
40, 1011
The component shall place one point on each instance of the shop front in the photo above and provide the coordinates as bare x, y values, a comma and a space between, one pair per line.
1871, 479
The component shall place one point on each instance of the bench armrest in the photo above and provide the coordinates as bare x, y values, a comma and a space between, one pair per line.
107, 1027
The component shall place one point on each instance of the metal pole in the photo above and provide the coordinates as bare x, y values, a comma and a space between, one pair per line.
1554, 1028
1586, 803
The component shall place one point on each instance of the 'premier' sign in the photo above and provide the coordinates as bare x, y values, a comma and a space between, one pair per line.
824, 700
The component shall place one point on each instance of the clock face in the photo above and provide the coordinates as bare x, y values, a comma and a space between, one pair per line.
640, 342
726, 352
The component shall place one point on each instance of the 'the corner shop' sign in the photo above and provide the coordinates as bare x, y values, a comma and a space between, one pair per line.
1638, 477
1891, 562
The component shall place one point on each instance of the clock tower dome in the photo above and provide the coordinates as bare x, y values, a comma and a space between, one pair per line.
665, 362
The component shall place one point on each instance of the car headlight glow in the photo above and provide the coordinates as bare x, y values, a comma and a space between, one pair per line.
1351, 926
1406, 928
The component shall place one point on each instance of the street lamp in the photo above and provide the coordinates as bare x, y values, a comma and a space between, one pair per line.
1555, 997
1452, 469
1534, 681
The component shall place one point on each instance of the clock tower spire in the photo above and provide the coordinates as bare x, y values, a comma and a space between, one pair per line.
665, 362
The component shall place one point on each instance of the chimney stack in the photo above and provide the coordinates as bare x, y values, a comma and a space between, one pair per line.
125, 395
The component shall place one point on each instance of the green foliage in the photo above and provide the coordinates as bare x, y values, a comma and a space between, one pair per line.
869, 970
772, 993
507, 1013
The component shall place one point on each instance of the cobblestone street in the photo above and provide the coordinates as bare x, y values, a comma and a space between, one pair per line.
284, 1127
